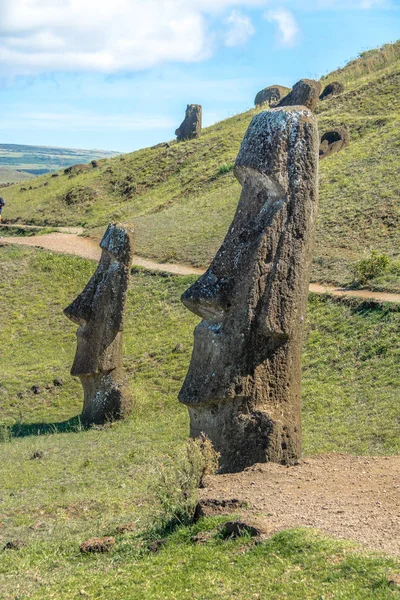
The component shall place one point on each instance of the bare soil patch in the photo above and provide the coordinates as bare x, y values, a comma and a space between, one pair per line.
348, 497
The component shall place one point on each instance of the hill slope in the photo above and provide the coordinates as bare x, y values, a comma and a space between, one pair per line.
20, 162
182, 197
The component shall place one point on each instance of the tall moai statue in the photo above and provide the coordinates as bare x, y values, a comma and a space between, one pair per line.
243, 387
99, 312
190, 127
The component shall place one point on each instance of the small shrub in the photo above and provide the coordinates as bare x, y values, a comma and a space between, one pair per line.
225, 168
369, 268
176, 483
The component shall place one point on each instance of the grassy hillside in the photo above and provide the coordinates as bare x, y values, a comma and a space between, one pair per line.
88, 482
182, 197
19, 162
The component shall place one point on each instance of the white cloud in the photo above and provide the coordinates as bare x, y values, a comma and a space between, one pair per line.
99, 35
240, 29
287, 26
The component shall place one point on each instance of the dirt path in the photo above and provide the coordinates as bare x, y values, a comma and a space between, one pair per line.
348, 497
76, 230
72, 243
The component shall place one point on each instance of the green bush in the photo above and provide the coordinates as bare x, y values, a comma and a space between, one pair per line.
225, 168
369, 268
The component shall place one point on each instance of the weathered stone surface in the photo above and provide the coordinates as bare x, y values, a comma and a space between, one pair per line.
304, 93
243, 387
191, 125
99, 312
271, 95
103, 544
235, 529
332, 89
333, 141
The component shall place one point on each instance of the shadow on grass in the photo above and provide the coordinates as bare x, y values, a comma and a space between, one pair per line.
72, 425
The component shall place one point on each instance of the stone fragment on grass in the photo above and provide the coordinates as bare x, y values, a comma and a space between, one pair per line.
156, 545
99, 312
100, 544
37, 454
238, 528
243, 387
15, 545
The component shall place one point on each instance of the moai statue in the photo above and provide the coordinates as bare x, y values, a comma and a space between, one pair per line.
99, 312
191, 125
243, 387
305, 93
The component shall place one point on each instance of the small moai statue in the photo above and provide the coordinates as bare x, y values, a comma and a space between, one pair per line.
190, 127
243, 387
99, 312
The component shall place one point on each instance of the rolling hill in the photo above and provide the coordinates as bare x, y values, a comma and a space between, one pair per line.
182, 196
20, 162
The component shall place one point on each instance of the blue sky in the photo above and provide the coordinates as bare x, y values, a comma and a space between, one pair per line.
118, 75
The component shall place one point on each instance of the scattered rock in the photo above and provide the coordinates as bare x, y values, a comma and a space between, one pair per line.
156, 546
23, 189
161, 145
54, 175
14, 545
238, 528
36, 389
102, 544
190, 127
57, 382
304, 93
271, 95
210, 507
179, 348
94, 164
37, 454
332, 89
333, 141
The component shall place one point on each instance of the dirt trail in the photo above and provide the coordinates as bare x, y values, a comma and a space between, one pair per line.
72, 243
348, 497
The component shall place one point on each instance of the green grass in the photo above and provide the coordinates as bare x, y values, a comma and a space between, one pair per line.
182, 198
88, 482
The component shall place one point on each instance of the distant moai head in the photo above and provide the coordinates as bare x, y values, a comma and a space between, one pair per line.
190, 127
304, 93
99, 313
246, 363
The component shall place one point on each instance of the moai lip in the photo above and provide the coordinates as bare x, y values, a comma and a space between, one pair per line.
99, 311
243, 387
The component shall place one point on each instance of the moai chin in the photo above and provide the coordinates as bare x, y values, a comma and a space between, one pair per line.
243, 387
99, 312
